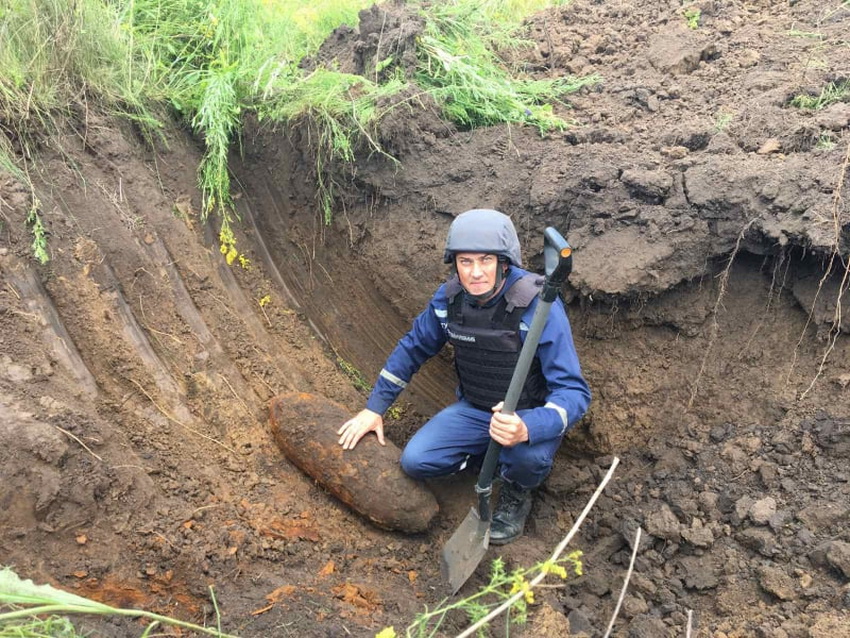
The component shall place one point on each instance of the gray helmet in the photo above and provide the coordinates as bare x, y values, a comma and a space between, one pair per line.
483, 231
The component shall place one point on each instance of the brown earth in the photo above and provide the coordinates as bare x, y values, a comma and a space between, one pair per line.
711, 236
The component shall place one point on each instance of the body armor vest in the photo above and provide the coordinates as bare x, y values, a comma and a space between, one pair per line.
487, 344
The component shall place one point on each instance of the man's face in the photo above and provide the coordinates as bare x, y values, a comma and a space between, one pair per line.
477, 271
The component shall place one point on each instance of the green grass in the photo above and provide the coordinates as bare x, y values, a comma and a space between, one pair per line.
692, 17
340, 110
830, 94
209, 62
54, 53
460, 67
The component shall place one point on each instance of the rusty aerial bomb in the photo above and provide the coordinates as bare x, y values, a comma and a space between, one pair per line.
368, 479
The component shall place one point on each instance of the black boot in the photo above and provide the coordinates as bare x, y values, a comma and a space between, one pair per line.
511, 512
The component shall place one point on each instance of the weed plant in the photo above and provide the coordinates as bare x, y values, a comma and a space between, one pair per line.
39, 234
358, 380
502, 586
692, 17
50, 627
27, 608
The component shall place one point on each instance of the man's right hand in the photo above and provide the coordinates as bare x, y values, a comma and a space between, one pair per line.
357, 427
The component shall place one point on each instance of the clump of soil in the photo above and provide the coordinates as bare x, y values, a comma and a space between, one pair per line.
710, 228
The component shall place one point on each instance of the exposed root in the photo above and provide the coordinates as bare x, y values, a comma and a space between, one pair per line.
77, 439
238, 398
181, 424
835, 329
715, 327
773, 292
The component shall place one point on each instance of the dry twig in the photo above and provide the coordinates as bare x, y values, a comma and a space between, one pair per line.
625, 583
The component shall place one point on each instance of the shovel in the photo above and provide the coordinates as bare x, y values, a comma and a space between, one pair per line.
469, 543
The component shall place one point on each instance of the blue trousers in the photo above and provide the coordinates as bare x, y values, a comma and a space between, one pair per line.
445, 444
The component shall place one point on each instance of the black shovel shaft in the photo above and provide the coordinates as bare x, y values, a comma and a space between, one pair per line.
557, 255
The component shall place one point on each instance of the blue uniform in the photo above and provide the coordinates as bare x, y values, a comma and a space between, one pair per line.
445, 443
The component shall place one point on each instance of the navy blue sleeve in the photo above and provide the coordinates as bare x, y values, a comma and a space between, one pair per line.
569, 394
425, 339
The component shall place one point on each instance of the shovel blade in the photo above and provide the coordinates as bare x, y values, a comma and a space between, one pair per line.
465, 549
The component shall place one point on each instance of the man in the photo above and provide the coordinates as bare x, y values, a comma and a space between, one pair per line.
484, 311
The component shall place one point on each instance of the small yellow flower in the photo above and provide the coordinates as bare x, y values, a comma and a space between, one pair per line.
553, 568
386, 632
522, 585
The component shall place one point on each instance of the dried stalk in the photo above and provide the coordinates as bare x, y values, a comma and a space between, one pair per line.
625, 584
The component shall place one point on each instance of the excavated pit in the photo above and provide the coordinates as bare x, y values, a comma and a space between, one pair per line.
136, 367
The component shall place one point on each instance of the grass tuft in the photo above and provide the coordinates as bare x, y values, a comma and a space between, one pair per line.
830, 94
459, 66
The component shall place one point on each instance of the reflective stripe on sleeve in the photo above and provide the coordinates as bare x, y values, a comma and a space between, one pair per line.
560, 411
389, 376
441, 312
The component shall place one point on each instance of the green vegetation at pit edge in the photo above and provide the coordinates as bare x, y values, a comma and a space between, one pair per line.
211, 62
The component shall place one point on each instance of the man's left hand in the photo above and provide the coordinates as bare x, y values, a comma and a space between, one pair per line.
507, 429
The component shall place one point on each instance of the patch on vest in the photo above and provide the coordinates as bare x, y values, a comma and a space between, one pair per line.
459, 337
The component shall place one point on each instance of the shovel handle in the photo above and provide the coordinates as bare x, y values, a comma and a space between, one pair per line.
557, 256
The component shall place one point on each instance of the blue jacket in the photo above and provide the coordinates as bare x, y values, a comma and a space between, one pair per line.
569, 395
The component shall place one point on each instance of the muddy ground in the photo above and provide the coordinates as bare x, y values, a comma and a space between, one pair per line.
711, 235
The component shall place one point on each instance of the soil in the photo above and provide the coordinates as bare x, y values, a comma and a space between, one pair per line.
711, 236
